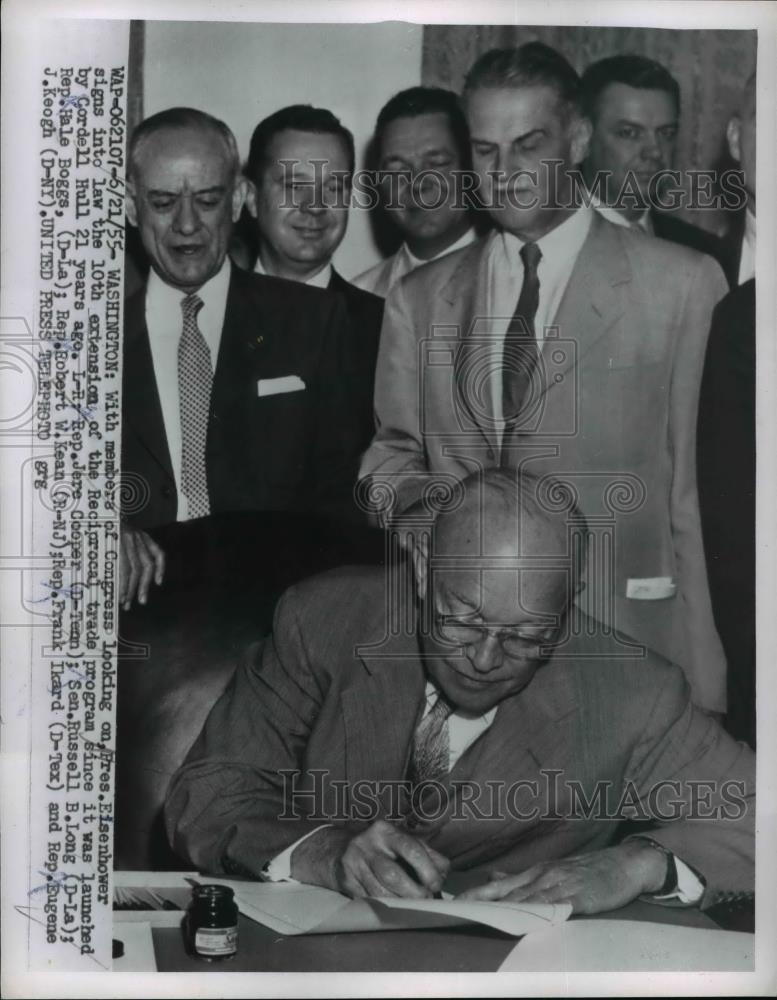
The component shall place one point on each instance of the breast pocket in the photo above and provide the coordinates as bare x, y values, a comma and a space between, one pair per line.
280, 426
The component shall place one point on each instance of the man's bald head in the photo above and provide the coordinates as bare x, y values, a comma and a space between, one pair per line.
497, 584
508, 513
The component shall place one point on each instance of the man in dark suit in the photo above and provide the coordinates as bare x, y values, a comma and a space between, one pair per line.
476, 730
633, 104
299, 168
232, 383
726, 475
739, 241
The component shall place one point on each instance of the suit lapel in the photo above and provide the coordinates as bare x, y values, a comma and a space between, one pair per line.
245, 337
518, 751
386, 702
593, 302
595, 297
142, 409
465, 296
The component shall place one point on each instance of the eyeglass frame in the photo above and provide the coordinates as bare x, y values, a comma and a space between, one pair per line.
444, 621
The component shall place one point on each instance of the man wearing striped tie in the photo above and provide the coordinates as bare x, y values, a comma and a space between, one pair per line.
232, 392
375, 742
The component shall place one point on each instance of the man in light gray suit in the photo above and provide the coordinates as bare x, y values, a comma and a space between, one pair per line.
567, 346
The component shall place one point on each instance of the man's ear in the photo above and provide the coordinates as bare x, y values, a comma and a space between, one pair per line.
239, 196
581, 130
130, 204
421, 563
251, 198
732, 137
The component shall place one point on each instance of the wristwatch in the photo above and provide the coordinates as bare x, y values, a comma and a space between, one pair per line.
670, 882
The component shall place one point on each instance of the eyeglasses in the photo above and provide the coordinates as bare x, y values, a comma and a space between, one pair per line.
514, 641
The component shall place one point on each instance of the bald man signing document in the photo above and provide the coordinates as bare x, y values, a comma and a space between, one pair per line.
499, 730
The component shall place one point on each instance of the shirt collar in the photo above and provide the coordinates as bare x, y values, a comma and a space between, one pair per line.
432, 693
461, 242
161, 296
608, 212
320, 280
560, 244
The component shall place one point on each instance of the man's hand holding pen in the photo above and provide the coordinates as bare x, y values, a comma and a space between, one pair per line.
383, 860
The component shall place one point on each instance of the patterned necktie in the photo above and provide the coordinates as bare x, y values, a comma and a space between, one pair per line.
521, 353
431, 744
195, 379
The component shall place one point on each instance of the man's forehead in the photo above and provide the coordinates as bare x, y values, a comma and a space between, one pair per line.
304, 147
506, 573
619, 100
515, 107
416, 133
188, 151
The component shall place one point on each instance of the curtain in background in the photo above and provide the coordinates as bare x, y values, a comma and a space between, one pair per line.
710, 66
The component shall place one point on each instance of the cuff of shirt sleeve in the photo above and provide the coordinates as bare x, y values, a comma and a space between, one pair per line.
279, 869
688, 887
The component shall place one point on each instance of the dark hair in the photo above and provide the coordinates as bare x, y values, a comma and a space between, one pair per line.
180, 118
528, 65
423, 101
302, 118
635, 71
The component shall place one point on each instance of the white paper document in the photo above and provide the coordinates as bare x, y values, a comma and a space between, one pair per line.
631, 946
303, 909
138, 947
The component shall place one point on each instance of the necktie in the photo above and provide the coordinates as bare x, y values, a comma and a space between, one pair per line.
521, 353
431, 744
195, 378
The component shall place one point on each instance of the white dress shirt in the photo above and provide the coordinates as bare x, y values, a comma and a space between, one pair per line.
402, 263
164, 320
462, 730
644, 222
747, 258
320, 280
560, 250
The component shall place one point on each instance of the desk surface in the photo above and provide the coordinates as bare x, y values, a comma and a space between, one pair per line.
458, 949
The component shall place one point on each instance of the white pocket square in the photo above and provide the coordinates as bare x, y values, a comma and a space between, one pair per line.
274, 386
652, 588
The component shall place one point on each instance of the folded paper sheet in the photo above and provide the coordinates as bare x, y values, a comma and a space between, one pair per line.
303, 909
631, 946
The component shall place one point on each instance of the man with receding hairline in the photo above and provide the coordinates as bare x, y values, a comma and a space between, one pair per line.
463, 732
232, 394
564, 345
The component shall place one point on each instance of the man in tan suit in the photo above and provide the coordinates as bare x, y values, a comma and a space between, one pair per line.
567, 346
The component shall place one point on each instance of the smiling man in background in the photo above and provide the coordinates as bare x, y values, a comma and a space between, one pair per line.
420, 142
300, 167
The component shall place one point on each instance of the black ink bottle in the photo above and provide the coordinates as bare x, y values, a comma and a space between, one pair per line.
210, 925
